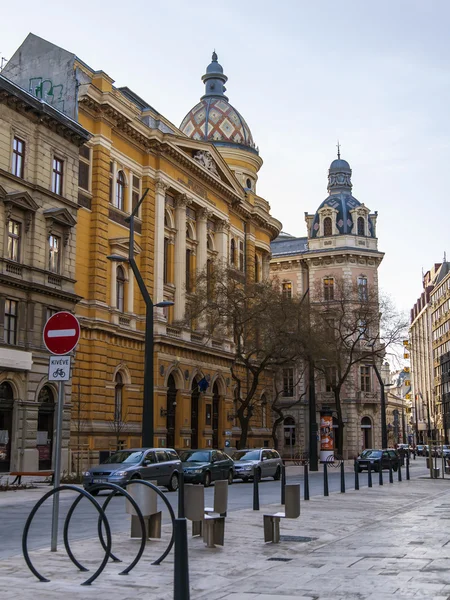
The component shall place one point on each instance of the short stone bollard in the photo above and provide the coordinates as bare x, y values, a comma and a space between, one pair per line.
325, 479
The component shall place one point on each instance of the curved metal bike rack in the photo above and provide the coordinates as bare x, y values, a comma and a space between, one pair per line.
115, 490
36, 507
102, 520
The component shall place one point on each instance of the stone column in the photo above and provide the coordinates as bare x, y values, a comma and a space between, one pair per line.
181, 203
202, 236
160, 203
222, 228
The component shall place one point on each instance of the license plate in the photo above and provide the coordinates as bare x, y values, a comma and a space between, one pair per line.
98, 480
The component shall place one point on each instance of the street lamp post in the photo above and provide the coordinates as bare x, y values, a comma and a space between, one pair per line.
147, 407
313, 455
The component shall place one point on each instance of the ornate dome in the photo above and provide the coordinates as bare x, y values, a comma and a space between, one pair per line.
214, 119
340, 199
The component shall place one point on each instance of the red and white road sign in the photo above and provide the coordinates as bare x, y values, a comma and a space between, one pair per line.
61, 333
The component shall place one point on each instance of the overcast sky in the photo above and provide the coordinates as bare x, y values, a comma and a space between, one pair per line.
303, 74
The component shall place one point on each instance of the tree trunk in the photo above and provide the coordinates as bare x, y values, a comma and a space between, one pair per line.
244, 421
275, 424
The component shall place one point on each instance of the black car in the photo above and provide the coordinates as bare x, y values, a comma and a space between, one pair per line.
205, 466
162, 465
374, 457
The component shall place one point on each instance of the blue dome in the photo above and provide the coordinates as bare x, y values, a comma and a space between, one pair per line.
343, 203
340, 165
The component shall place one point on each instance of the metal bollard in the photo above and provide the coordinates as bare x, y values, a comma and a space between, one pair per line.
181, 495
256, 490
283, 484
407, 468
355, 466
399, 472
325, 479
181, 564
306, 481
414, 454
391, 475
380, 474
369, 475
342, 478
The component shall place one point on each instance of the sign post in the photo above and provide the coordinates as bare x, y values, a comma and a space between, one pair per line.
61, 335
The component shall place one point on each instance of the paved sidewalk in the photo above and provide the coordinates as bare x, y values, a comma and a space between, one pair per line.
375, 544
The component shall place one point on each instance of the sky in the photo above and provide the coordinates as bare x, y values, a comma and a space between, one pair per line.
375, 76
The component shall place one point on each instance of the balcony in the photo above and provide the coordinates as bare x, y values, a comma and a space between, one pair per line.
367, 397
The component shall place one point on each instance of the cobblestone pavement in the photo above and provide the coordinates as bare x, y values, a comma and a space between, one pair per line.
375, 544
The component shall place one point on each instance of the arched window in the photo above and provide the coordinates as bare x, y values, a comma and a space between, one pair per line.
6, 392
361, 227
120, 190
327, 226
233, 252
120, 289
118, 398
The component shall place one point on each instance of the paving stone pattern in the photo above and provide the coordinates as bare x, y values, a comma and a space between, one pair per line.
375, 544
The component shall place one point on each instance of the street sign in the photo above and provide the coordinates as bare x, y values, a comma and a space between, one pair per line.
61, 333
59, 368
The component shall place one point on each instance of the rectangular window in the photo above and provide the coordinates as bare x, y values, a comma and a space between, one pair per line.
58, 175
286, 289
11, 310
50, 312
18, 157
362, 289
84, 167
365, 379
136, 192
14, 230
328, 289
288, 382
362, 329
54, 254
330, 378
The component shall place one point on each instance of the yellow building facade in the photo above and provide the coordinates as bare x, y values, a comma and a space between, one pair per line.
201, 204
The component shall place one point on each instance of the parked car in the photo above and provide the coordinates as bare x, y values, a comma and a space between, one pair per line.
446, 451
420, 450
162, 465
266, 461
205, 466
373, 457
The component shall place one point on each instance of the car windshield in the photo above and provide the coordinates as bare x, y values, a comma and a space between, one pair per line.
247, 455
371, 454
195, 456
124, 456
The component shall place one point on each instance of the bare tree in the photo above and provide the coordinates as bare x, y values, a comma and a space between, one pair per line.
118, 425
350, 326
281, 403
264, 326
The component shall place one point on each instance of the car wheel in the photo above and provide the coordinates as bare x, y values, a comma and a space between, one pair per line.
230, 477
277, 475
207, 479
173, 483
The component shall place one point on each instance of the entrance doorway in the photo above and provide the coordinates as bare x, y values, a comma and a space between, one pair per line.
215, 416
195, 395
366, 433
6, 414
46, 419
171, 410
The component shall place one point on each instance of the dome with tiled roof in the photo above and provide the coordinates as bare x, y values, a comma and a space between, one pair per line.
214, 119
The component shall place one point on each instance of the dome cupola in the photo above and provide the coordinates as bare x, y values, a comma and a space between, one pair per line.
214, 119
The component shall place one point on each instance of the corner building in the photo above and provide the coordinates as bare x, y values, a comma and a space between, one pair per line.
201, 204
341, 245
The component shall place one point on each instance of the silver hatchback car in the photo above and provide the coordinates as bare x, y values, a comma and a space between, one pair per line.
265, 461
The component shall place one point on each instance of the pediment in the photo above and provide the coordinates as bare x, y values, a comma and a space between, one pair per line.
209, 159
61, 216
22, 200
122, 245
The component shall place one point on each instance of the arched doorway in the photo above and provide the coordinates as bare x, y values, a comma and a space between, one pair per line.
289, 434
195, 395
366, 433
6, 414
171, 410
215, 416
46, 414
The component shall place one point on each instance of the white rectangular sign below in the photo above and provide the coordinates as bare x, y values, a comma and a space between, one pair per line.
59, 368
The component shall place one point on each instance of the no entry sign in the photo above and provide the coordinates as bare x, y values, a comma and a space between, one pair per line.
61, 333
